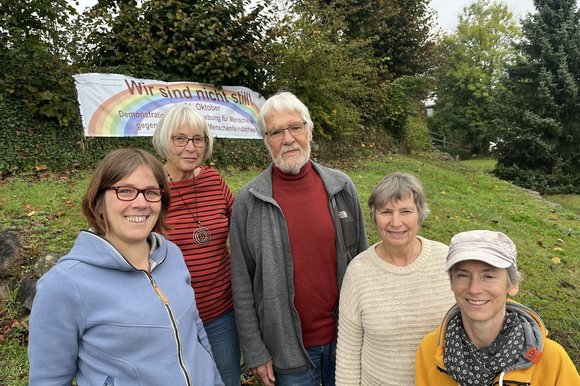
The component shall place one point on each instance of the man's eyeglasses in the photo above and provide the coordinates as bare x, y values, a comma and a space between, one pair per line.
182, 141
294, 130
128, 193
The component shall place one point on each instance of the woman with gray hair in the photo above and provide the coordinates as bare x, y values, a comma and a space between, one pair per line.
488, 339
199, 220
393, 293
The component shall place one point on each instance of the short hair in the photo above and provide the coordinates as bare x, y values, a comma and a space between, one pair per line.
283, 102
113, 168
398, 186
514, 276
182, 114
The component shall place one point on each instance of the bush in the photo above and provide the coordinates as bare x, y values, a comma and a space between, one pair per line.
530, 162
30, 144
417, 135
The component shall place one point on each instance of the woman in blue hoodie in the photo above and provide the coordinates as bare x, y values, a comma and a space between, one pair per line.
119, 309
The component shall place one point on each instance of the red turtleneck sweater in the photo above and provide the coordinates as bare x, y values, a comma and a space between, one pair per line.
304, 202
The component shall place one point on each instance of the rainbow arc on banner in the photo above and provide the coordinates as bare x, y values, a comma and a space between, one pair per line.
132, 107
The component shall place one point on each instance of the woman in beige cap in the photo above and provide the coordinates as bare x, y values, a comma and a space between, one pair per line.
487, 339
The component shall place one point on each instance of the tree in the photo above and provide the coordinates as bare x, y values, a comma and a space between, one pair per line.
468, 79
336, 77
34, 66
541, 115
327, 52
204, 41
400, 31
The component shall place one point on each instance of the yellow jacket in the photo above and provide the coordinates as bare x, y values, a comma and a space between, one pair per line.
552, 368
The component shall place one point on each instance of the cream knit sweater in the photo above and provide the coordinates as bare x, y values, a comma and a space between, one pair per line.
384, 313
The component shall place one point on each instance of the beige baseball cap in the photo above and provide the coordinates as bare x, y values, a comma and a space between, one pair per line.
493, 248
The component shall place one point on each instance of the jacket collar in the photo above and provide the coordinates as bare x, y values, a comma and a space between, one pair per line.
93, 249
333, 181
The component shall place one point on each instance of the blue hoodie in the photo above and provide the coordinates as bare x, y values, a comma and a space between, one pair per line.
97, 318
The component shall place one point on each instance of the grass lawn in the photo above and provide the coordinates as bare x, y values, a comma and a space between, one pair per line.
462, 196
568, 202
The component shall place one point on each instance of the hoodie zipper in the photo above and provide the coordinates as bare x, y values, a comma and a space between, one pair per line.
165, 301
174, 327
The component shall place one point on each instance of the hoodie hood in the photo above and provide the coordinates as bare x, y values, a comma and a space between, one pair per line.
91, 248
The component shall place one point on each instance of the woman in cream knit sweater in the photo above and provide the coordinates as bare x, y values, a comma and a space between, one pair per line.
393, 293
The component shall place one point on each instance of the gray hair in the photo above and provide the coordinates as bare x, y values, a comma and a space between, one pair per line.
180, 115
394, 187
514, 276
283, 102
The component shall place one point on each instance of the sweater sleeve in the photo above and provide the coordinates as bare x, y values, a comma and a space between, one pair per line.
350, 336
243, 269
55, 329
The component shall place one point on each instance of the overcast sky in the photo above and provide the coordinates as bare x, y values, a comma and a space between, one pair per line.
449, 10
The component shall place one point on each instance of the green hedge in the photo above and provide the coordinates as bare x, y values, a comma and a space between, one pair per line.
30, 145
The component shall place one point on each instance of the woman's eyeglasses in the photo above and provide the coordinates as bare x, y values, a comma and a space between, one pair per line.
128, 193
182, 141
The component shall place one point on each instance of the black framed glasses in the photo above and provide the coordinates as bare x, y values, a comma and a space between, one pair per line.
128, 193
294, 130
182, 141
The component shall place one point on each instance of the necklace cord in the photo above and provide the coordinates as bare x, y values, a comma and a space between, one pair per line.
202, 235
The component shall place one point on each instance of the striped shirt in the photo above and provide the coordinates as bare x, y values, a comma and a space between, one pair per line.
208, 198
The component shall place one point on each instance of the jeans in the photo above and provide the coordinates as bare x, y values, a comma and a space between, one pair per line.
324, 359
225, 346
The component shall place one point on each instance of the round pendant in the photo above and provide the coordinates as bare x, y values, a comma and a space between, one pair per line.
201, 236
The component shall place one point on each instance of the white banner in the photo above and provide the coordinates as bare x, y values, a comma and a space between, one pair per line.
114, 105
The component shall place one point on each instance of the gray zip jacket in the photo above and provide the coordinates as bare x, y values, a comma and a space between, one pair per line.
262, 267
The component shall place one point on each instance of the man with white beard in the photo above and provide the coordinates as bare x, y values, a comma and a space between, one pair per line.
293, 230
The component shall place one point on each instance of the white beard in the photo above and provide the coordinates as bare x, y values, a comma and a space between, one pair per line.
292, 165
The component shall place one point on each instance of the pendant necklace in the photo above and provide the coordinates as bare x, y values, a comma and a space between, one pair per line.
202, 235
